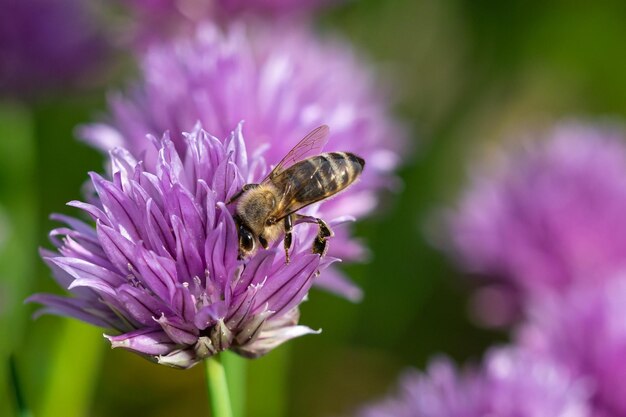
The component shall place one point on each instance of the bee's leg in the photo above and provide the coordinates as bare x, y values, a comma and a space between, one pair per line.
324, 232
240, 192
288, 238
319, 244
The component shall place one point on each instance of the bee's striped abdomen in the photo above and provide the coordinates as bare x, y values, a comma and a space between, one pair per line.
322, 176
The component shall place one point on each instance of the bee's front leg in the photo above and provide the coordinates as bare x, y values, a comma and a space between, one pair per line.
324, 232
288, 222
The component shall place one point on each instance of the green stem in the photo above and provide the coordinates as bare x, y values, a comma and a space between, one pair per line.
217, 388
235, 367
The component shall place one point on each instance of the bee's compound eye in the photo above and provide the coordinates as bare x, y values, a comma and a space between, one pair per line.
246, 240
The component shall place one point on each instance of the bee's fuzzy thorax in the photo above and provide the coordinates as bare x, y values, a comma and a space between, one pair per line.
255, 206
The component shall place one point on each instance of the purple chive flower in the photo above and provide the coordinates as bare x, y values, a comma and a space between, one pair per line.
160, 267
283, 82
511, 383
47, 44
585, 330
551, 218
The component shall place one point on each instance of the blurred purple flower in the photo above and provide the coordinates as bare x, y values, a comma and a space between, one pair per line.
159, 20
283, 82
161, 265
552, 217
47, 44
511, 383
438, 392
275, 8
585, 330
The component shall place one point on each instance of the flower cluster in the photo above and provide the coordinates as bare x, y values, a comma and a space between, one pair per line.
161, 266
511, 383
551, 218
283, 84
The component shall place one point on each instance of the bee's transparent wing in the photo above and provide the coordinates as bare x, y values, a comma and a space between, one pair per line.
311, 144
292, 196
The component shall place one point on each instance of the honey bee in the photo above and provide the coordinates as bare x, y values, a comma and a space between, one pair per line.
267, 210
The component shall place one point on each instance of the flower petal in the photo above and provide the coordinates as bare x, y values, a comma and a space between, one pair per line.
257, 269
119, 250
119, 207
146, 341
138, 304
335, 282
158, 273
183, 303
83, 310
189, 264
178, 330
181, 358
289, 284
158, 230
81, 269
268, 340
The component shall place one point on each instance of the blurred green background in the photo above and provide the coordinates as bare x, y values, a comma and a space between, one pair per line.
469, 74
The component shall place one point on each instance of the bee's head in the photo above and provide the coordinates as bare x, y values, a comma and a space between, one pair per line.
246, 238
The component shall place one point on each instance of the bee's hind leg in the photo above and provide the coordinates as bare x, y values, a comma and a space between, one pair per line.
324, 232
288, 221
319, 244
